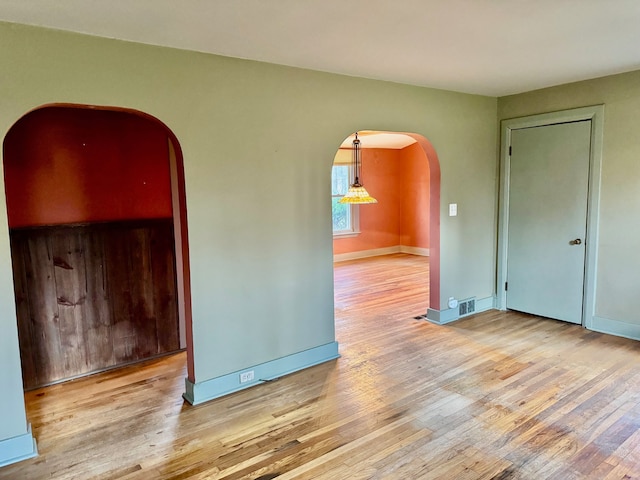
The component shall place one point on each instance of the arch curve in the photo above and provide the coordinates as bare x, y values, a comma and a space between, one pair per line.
433, 164
434, 218
176, 205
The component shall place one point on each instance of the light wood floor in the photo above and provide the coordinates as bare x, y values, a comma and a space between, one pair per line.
495, 396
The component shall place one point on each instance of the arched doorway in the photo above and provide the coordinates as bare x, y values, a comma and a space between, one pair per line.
422, 157
96, 210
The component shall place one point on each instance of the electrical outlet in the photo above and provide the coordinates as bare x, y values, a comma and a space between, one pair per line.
247, 376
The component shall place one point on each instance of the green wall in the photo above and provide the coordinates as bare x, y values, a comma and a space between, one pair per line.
618, 264
258, 142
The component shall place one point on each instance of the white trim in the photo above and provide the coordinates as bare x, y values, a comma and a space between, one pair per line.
345, 234
18, 448
354, 209
199, 392
442, 317
377, 252
354, 213
374, 252
615, 327
423, 252
596, 115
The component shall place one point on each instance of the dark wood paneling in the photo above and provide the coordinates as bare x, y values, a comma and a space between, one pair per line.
43, 307
71, 293
165, 298
118, 268
25, 325
90, 297
99, 340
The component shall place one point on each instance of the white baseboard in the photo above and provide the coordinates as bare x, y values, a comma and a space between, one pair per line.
423, 252
18, 448
199, 392
376, 252
615, 327
448, 315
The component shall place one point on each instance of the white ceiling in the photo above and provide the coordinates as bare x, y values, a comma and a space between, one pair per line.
373, 139
489, 47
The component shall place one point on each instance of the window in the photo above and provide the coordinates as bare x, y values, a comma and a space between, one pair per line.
345, 217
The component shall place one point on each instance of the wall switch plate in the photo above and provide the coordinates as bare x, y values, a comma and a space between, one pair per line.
453, 209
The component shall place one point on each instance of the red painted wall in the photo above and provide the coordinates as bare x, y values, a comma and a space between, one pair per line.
380, 222
414, 178
72, 165
399, 180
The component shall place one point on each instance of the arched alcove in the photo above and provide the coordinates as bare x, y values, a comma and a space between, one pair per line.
97, 217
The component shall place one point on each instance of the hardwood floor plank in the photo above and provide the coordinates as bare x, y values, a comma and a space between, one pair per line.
498, 395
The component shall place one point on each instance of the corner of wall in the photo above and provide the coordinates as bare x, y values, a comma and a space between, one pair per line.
16, 449
200, 392
448, 315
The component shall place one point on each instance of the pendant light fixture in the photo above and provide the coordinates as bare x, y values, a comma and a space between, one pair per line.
357, 194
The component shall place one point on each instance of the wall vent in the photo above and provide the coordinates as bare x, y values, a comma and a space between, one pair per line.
466, 307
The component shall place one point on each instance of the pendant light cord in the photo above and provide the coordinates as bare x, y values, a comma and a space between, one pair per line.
356, 160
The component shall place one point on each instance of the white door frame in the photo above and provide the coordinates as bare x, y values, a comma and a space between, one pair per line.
596, 115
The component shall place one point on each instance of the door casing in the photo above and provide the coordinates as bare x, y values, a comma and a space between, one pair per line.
596, 115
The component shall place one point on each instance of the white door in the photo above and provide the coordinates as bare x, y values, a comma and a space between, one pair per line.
548, 188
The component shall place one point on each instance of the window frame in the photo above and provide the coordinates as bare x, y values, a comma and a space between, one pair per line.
354, 210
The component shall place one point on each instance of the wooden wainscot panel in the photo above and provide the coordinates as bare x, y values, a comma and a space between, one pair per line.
92, 297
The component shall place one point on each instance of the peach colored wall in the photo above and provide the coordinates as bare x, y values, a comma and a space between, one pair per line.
415, 199
70, 165
399, 180
379, 223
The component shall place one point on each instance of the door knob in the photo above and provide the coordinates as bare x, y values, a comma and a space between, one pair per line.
577, 241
